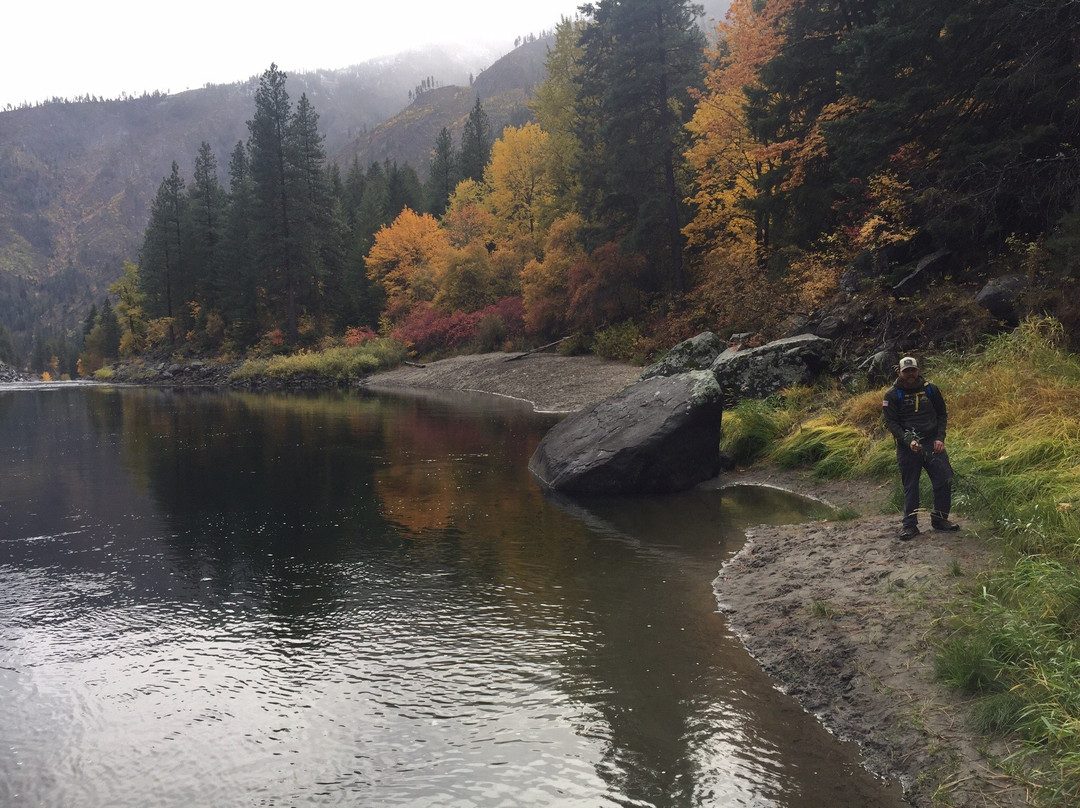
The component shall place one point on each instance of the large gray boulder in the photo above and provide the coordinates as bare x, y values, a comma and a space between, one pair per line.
762, 371
1000, 296
659, 435
696, 353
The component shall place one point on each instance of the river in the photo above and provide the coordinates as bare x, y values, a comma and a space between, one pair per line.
211, 598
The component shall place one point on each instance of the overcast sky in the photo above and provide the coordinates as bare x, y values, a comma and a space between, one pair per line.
68, 49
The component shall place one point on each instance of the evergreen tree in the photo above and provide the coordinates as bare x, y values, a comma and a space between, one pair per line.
977, 109
90, 321
161, 259
355, 183
340, 289
274, 196
403, 189
109, 325
374, 209
314, 223
476, 140
442, 175
206, 204
639, 59
234, 283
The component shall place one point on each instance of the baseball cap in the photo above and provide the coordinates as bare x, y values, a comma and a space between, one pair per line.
908, 362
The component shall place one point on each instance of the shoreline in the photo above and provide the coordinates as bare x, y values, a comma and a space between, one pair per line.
842, 615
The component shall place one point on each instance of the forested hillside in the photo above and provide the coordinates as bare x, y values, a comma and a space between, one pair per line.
860, 169
407, 137
77, 178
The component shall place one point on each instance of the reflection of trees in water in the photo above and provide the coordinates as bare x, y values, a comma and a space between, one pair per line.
292, 500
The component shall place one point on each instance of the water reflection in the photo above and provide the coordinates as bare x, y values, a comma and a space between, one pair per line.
211, 598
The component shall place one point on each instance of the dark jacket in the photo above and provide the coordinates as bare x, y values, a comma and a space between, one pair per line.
921, 411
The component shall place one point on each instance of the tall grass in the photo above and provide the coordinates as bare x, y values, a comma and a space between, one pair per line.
1014, 441
751, 427
339, 364
821, 430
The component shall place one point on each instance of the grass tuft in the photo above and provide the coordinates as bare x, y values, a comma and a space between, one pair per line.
833, 450
751, 427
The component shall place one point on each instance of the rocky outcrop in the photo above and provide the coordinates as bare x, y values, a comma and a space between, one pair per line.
9, 375
762, 371
696, 353
1000, 296
658, 435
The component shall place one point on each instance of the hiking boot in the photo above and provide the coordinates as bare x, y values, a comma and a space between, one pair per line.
944, 524
908, 533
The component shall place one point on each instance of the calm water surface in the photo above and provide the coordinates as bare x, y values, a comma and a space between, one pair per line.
216, 599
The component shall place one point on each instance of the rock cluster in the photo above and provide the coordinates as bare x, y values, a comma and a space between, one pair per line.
662, 433
9, 375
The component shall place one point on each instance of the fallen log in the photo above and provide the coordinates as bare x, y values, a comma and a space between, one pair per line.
536, 350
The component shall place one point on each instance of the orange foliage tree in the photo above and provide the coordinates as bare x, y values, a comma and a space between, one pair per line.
545, 285
468, 218
407, 258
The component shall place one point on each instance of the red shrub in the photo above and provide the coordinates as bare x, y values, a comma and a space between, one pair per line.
358, 336
427, 331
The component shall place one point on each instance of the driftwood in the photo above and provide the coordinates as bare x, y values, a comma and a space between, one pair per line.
416, 364
536, 350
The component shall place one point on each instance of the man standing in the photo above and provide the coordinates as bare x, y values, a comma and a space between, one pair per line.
915, 415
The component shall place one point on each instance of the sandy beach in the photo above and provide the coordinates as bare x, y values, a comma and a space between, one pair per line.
841, 614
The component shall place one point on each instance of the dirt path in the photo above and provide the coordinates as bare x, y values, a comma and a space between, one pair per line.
842, 614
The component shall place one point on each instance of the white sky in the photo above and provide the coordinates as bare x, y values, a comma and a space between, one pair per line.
69, 48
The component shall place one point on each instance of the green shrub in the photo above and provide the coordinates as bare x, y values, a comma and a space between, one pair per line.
339, 364
618, 342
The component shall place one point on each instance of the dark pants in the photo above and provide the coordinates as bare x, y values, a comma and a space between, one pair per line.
940, 472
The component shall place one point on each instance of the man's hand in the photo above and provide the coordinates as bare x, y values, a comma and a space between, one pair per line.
916, 446
939, 446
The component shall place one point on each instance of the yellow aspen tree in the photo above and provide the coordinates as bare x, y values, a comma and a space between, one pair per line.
729, 231
727, 158
521, 196
468, 218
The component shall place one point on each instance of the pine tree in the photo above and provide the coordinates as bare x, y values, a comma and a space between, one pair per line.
233, 284
109, 324
161, 259
274, 196
476, 140
442, 174
403, 188
206, 204
639, 59
978, 109
314, 226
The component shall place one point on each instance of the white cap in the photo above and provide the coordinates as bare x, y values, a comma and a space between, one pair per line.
908, 362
